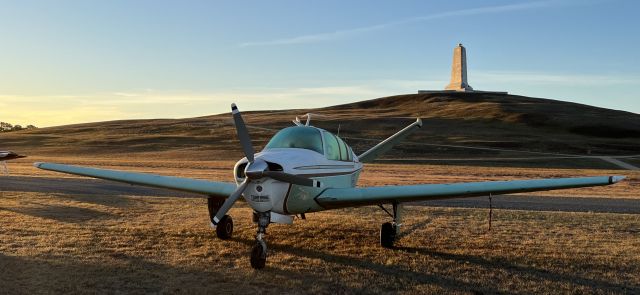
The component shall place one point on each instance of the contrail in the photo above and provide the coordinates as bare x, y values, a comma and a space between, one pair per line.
313, 38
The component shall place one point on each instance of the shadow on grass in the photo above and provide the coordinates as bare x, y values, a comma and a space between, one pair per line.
113, 201
400, 276
60, 213
124, 274
537, 273
86, 190
404, 232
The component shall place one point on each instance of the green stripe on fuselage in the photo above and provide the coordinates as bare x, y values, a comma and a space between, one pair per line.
301, 199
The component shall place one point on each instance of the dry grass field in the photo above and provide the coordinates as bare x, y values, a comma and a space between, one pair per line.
508, 125
111, 242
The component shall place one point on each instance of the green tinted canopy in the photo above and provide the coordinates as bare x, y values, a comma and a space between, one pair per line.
301, 137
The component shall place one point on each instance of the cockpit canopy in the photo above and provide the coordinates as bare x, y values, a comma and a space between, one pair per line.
311, 138
301, 137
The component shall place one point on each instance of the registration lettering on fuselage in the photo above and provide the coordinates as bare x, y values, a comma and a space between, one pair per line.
260, 198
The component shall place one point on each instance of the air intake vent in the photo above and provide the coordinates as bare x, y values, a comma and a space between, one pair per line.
274, 167
240, 171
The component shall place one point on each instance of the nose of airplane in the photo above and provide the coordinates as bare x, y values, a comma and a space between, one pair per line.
256, 169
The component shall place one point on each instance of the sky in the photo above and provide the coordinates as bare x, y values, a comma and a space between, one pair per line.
64, 62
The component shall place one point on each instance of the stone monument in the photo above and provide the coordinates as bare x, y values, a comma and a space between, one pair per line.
459, 70
459, 83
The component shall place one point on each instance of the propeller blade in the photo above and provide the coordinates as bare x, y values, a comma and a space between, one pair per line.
243, 134
291, 178
228, 203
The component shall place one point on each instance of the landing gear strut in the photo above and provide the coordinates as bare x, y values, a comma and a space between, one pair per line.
389, 230
224, 228
259, 250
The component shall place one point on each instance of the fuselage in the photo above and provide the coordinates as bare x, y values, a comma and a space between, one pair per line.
306, 151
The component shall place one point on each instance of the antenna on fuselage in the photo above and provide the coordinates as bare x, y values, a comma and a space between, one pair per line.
308, 122
308, 119
297, 121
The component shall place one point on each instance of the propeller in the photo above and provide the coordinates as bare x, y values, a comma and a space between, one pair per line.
243, 134
255, 169
228, 203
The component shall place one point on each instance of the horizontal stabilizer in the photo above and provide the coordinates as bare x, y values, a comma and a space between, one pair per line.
388, 143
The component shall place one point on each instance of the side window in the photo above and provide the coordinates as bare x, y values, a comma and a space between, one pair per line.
332, 148
343, 150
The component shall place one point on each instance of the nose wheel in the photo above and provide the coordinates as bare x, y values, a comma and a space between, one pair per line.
259, 255
259, 250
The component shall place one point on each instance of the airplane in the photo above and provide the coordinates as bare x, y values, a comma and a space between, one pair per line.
305, 169
9, 155
6, 156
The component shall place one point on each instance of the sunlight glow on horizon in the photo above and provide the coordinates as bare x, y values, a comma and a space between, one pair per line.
70, 62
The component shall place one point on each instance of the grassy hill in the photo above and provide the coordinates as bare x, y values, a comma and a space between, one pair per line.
471, 119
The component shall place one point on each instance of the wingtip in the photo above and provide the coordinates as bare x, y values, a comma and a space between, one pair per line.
234, 109
37, 164
616, 179
419, 121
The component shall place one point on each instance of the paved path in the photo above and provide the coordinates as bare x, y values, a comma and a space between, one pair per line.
542, 203
619, 163
103, 188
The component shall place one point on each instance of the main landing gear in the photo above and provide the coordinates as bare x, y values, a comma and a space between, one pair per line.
390, 230
259, 250
224, 229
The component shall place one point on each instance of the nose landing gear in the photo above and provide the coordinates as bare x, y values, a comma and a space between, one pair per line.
259, 250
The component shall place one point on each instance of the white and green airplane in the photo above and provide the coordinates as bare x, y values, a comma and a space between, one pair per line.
307, 169
7, 156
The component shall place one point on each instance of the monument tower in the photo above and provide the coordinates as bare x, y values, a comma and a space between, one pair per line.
459, 83
459, 70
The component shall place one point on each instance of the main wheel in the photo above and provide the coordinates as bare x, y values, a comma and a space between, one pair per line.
387, 235
258, 256
224, 229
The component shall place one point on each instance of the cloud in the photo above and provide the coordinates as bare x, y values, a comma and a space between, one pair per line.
320, 37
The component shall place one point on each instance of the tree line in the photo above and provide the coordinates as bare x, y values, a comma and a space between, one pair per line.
8, 127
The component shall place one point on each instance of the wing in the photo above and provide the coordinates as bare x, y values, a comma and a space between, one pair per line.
210, 188
348, 197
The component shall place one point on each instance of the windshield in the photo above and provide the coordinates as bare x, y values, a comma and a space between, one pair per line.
300, 137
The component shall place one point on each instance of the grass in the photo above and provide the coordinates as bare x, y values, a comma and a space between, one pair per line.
69, 244
506, 122
103, 243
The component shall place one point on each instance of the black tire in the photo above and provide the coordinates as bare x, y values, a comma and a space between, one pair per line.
258, 256
224, 229
387, 235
